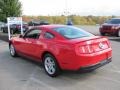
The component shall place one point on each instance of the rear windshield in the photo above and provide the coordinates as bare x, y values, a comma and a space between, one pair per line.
113, 21
71, 32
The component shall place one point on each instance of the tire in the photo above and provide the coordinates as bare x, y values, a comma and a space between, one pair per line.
118, 33
51, 66
12, 50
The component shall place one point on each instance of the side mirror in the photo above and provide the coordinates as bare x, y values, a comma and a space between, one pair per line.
21, 36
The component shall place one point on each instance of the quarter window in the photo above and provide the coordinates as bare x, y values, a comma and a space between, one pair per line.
48, 35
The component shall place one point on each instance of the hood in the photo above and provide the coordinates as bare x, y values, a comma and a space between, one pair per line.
106, 24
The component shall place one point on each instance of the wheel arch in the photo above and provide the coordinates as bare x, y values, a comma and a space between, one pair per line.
46, 52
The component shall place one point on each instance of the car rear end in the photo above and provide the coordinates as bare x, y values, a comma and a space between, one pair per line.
92, 53
85, 50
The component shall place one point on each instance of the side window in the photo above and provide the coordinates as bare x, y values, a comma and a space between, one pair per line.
34, 34
49, 35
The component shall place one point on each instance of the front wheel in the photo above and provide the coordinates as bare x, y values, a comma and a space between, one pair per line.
50, 65
12, 51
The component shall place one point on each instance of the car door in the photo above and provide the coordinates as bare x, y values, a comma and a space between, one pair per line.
31, 44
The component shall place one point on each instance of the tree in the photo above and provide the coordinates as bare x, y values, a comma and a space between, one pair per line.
9, 8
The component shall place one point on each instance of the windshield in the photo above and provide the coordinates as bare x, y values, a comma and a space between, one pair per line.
71, 32
113, 21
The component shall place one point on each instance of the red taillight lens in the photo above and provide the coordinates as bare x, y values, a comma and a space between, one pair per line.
86, 49
93, 46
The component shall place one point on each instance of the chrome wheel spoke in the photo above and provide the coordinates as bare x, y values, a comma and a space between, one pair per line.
52, 69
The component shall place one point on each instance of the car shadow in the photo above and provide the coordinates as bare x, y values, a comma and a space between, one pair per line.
81, 75
63, 72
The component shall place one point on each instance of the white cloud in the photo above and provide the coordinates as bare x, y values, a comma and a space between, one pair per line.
82, 7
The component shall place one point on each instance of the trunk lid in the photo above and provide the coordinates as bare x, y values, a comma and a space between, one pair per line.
91, 44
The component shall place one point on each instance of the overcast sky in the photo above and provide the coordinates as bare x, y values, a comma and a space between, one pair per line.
81, 7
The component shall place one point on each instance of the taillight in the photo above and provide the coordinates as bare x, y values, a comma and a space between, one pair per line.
86, 49
109, 44
93, 46
100, 46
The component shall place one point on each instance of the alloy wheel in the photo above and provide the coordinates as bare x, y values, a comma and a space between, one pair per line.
49, 65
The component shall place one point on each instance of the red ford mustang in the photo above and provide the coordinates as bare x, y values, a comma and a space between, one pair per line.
61, 47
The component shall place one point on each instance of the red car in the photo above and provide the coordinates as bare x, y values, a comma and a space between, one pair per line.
111, 27
61, 47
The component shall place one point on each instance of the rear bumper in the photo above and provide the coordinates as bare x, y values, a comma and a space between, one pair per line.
77, 62
95, 66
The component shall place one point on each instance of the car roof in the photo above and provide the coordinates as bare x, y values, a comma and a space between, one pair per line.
50, 26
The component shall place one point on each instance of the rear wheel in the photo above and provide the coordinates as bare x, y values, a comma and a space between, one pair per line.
50, 65
12, 51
